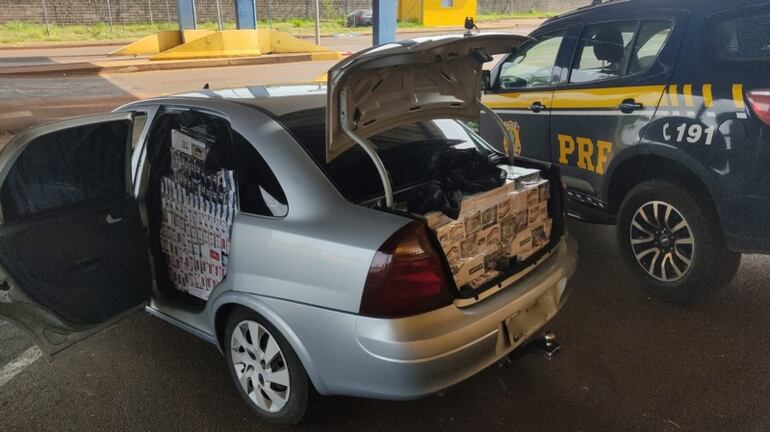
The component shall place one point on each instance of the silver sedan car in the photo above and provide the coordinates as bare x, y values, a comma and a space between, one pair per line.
316, 281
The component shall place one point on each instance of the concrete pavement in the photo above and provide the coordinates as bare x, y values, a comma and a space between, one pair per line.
628, 363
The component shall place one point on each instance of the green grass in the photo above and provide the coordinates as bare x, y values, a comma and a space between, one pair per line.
18, 32
495, 16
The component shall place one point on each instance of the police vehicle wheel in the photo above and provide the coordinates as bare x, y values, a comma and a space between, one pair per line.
672, 243
265, 369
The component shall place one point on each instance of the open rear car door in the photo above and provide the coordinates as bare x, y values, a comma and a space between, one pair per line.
73, 252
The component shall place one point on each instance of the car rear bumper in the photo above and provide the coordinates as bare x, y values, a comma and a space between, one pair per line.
416, 356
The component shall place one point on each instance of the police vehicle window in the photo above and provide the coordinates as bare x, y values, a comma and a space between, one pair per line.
651, 39
68, 167
603, 51
532, 65
259, 192
740, 36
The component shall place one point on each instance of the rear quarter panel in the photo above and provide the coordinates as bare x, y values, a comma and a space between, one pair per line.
705, 124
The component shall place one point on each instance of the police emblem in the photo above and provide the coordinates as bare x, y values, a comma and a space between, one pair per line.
514, 129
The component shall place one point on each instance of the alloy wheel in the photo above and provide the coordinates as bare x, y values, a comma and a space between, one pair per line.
662, 241
260, 366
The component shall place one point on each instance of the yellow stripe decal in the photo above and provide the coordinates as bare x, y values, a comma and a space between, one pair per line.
595, 98
738, 96
517, 100
708, 97
673, 95
687, 90
608, 98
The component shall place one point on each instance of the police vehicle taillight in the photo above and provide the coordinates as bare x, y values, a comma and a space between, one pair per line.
760, 103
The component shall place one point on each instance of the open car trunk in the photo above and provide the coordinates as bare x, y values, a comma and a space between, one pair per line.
408, 152
491, 222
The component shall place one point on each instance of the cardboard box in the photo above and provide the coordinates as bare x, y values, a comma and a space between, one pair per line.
520, 221
469, 269
452, 253
488, 240
197, 211
544, 192
472, 223
488, 213
539, 237
492, 261
532, 194
507, 230
469, 247
522, 245
451, 233
504, 207
537, 214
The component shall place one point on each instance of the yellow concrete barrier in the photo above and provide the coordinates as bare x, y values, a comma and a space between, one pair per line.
159, 42
203, 44
226, 43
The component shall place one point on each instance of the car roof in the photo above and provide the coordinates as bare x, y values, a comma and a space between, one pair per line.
277, 99
633, 7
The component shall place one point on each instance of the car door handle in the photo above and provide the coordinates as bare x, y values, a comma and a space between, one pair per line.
111, 220
537, 107
629, 105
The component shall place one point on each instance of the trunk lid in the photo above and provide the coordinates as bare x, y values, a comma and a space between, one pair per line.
408, 81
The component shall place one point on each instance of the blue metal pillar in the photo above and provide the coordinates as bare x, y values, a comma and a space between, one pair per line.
186, 11
245, 14
384, 21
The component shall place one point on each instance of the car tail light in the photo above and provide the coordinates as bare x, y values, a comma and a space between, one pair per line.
406, 277
760, 103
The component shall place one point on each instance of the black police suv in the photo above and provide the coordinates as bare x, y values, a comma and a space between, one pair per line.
658, 113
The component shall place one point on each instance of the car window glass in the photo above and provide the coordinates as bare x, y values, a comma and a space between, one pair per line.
603, 51
742, 35
67, 167
651, 39
259, 192
532, 65
140, 119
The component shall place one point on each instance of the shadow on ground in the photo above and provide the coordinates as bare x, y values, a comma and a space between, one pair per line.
628, 363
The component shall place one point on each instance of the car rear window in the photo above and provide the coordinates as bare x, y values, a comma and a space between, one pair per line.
405, 151
740, 35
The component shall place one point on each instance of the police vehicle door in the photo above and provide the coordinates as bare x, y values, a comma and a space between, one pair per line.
521, 92
608, 94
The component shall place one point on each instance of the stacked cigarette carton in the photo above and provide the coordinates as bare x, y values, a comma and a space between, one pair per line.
198, 210
496, 228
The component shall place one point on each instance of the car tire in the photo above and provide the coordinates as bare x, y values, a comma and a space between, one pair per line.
673, 244
277, 389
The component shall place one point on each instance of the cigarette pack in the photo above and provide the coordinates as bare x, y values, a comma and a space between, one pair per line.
539, 237
468, 269
451, 233
504, 207
469, 247
472, 223
488, 240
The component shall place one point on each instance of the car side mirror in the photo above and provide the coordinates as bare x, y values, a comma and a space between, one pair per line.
486, 80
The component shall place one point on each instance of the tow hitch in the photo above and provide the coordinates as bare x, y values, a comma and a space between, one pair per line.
548, 344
